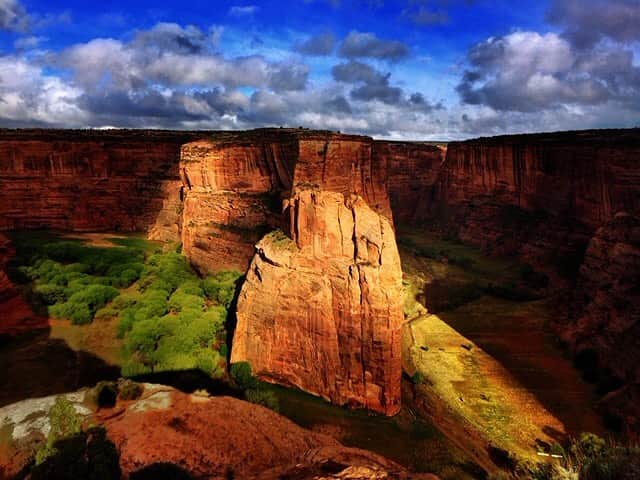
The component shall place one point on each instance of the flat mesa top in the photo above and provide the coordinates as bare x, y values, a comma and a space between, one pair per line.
630, 136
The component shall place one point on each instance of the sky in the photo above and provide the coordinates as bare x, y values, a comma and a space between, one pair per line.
399, 69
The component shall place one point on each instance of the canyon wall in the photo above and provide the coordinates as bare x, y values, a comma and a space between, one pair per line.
91, 180
412, 171
568, 204
6, 252
539, 196
328, 292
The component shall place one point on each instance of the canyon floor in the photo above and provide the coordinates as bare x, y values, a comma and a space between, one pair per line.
483, 374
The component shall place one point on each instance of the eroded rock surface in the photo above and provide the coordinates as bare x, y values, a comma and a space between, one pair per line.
323, 311
206, 437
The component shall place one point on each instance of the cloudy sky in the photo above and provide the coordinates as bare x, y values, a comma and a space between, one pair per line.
406, 69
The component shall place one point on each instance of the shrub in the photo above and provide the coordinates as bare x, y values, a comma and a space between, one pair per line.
64, 422
243, 376
81, 315
50, 294
417, 378
221, 287
266, 398
181, 301
129, 390
103, 395
589, 445
125, 322
89, 455
145, 335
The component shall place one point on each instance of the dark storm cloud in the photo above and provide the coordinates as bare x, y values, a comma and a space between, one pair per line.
147, 104
338, 104
586, 22
321, 44
368, 45
376, 84
383, 92
284, 77
354, 71
171, 37
418, 101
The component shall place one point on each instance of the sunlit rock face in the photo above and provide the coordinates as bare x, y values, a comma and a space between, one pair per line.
323, 312
321, 308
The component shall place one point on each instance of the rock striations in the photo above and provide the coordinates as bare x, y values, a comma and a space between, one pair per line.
329, 287
323, 312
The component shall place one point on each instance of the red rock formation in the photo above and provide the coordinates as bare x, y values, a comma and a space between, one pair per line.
324, 312
6, 252
412, 172
605, 319
216, 437
232, 196
91, 181
540, 196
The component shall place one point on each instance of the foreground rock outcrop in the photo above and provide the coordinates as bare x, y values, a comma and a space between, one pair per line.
202, 437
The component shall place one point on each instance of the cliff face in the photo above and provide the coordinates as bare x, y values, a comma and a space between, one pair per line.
321, 308
323, 312
91, 181
539, 196
412, 172
6, 252
232, 197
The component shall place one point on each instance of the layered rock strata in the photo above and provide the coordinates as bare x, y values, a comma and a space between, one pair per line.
322, 310
91, 180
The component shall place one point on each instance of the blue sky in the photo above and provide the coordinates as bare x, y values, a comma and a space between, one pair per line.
406, 69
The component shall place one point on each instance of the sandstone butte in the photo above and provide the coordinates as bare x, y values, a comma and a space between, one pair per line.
554, 200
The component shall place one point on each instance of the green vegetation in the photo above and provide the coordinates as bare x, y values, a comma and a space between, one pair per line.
71, 279
590, 458
255, 391
64, 422
70, 452
175, 321
105, 394
279, 239
168, 317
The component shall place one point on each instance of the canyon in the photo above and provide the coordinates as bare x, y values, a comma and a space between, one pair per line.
566, 203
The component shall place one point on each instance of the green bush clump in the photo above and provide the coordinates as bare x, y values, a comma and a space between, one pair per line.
169, 318
243, 376
90, 455
64, 422
263, 397
417, 378
221, 287
591, 458
103, 395
181, 301
81, 307
50, 294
